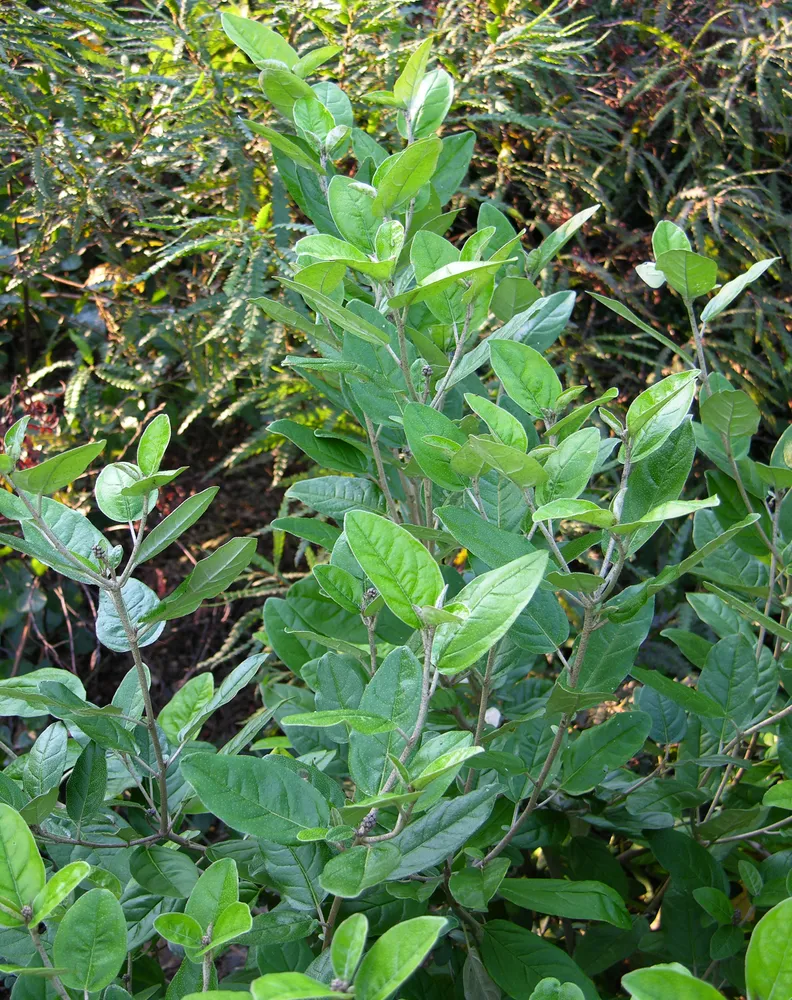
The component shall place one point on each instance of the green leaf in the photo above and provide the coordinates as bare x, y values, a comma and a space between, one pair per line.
153, 443
513, 295
179, 928
656, 413
328, 452
239, 678
55, 473
422, 422
287, 316
450, 761
91, 941
779, 796
730, 677
339, 585
30, 970
140, 601
210, 577
186, 705
539, 259
665, 512
444, 277
751, 614
163, 871
574, 510
561, 898
262, 797
395, 956
682, 695
398, 565
347, 947
475, 981
715, 903
354, 211
46, 761
409, 80
732, 413
751, 877
521, 469
600, 749
113, 502
518, 960
21, 867
292, 986
431, 102
15, 435
495, 599
312, 60
688, 273
452, 164
729, 292
527, 378
502, 424
21, 696
234, 921
216, 889
354, 718
310, 528
540, 324
660, 982
257, 40
58, 888
473, 888
209, 995
333, 496
283, 89
152, 482
441, 831
668, 236
621, 310
401, 176
569, 468
352, 872
86, 787
491, 544
344, 317
394, 692
336, 102
175, 524
768, 962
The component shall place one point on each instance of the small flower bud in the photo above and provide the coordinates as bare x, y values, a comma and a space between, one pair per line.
367, 824
27, 913
426, 371
339, 985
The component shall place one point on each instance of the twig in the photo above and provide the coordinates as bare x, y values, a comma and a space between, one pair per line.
589, 624
383, 479
330, 924
483, 699
698, 337
37, 944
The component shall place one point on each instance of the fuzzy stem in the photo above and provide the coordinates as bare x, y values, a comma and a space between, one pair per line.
483, 699
589, 624
332, 916
37, 944
131, 635
383, 479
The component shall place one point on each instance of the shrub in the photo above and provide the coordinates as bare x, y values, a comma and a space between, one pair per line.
464, 763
